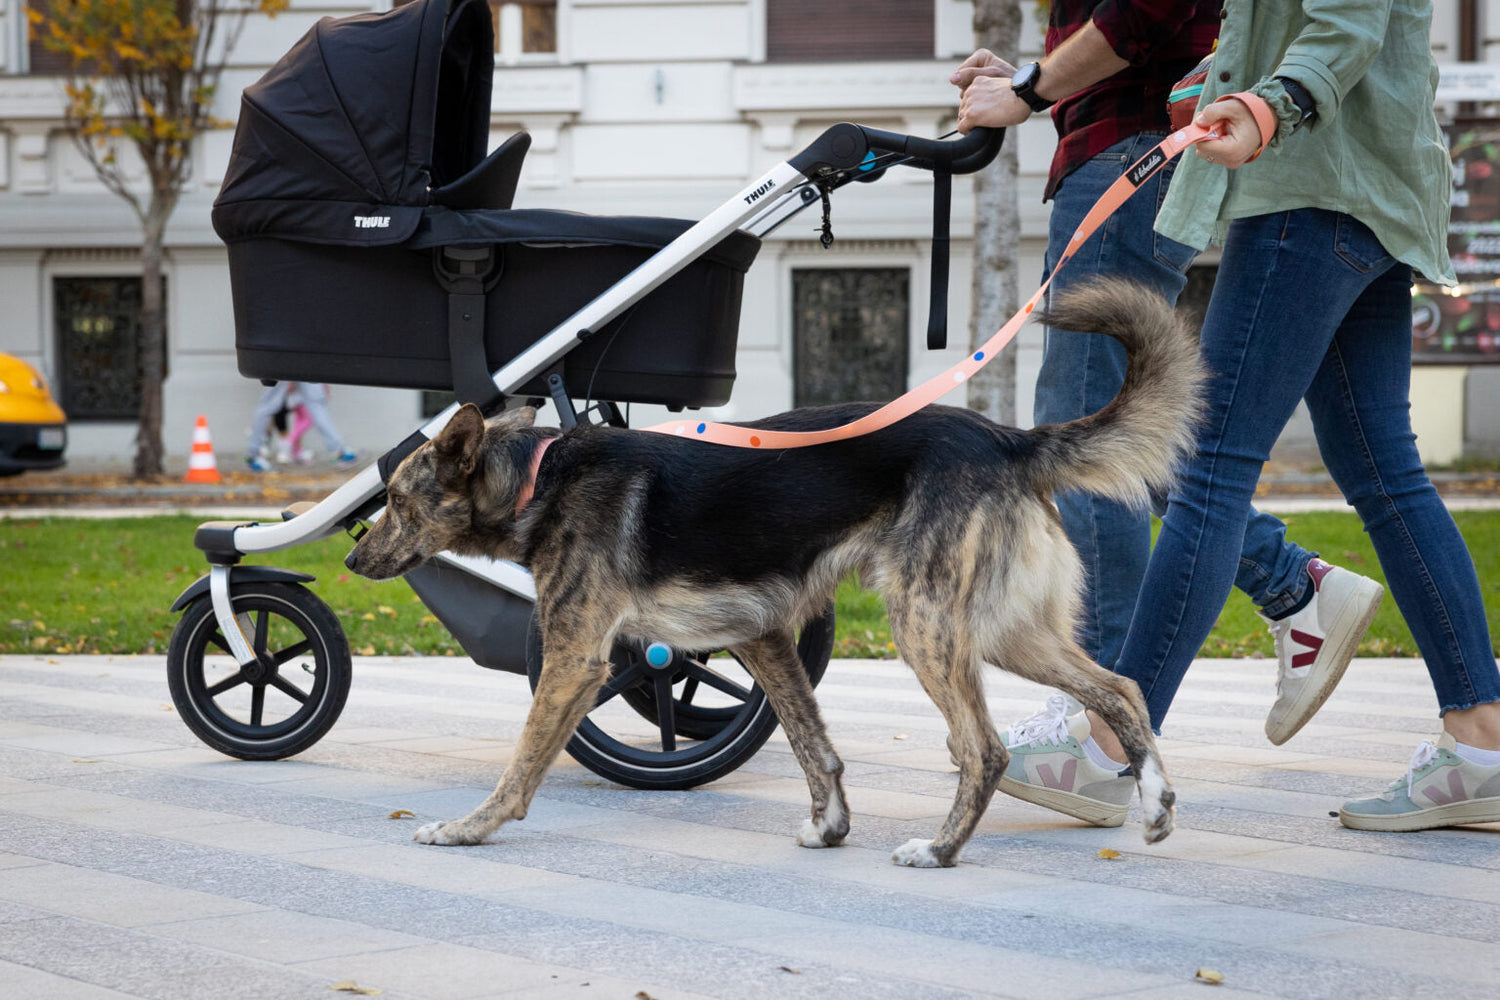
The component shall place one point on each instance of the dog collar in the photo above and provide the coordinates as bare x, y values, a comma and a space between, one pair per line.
529, 487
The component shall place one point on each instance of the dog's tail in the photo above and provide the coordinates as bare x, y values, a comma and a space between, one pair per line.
1135, 445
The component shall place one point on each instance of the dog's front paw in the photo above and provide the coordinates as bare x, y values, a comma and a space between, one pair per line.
811, 835
919, 854
451, 833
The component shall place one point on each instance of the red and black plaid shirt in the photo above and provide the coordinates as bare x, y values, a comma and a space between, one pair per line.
1162, 40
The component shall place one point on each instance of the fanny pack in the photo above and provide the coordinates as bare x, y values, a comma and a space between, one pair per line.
1182, 102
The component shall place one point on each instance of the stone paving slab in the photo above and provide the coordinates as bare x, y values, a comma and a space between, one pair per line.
134, 862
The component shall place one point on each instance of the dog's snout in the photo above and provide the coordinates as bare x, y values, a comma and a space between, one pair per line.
352, 559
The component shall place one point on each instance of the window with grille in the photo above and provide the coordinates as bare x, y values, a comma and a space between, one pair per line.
98, 321
850, 332
836, 31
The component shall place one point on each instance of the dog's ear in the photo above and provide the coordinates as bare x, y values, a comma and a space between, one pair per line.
462, 440
521, 416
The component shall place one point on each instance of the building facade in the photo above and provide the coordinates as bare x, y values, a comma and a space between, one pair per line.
635, 107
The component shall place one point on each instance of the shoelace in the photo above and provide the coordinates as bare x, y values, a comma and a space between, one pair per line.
1279, 630
1425, 754
1050, 725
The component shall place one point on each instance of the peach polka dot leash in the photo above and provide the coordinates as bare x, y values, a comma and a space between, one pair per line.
940, 385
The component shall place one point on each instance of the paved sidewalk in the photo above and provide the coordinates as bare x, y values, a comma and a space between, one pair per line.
136, 862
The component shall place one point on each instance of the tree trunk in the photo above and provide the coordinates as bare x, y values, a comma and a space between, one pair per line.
997, 226
152, 347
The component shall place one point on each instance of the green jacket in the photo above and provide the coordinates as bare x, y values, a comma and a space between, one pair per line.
1374, 149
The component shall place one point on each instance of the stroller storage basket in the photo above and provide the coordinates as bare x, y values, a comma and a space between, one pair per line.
378, 315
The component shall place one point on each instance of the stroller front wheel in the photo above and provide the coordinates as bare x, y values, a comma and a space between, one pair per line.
285, 701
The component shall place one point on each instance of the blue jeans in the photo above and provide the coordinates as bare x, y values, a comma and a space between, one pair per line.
1082, 372
1309, 305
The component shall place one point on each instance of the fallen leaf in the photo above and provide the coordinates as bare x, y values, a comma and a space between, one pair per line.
1210, 976
403, 814
591, 784
795, 972
643, 995
1108, 853
350, 986
85, 760
899, 736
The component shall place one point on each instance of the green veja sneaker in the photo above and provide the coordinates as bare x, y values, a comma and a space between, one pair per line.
1049, 766
1440, 789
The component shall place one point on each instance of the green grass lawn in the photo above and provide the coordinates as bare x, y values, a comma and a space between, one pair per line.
106, 586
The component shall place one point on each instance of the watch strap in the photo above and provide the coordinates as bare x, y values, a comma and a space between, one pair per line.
1027, 91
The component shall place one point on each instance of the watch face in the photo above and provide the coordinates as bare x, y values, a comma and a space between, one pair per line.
1025, 77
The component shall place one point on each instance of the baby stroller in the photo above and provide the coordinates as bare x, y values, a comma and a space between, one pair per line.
371, 242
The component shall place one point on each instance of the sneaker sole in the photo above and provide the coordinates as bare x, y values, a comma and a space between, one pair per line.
1340, 646
1078, 806
1485, 810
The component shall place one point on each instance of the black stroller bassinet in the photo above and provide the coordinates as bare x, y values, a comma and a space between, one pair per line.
359, 202
371, 242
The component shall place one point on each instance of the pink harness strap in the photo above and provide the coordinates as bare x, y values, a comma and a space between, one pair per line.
939, 386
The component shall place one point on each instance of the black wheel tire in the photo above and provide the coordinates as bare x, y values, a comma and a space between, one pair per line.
725, 737
287, 624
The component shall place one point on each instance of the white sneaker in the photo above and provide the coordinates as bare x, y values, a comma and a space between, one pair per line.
1315, 645
1049, 766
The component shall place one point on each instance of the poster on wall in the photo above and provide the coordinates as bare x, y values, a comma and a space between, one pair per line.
1462, 325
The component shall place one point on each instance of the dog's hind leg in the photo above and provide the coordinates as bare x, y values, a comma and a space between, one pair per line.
772, 660
1063, 664
948, 669
574, 668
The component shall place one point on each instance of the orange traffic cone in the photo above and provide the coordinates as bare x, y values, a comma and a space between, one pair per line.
202, 468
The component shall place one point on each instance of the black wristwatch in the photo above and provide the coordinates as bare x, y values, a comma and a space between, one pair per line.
1024, 84
1301, 98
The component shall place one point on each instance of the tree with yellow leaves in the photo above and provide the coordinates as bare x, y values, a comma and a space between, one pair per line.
142, 76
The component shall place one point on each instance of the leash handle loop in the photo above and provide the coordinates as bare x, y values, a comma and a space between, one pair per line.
1265, 118
935, 388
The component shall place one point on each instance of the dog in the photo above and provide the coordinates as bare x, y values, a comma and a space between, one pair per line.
948, 515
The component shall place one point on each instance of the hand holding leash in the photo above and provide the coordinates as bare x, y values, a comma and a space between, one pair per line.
1239, 127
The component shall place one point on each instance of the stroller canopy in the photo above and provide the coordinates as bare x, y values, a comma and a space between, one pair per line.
341, 140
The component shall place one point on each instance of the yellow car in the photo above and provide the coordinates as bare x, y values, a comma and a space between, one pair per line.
33, 428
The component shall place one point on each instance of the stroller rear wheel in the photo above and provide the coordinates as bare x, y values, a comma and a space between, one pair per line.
720, 712
282, 703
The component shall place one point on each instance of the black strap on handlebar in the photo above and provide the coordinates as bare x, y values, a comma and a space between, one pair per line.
937, 305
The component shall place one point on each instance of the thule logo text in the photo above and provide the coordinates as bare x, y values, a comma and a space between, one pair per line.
756, 195
372, 222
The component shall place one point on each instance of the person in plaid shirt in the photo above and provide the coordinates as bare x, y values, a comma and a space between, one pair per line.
1108, 69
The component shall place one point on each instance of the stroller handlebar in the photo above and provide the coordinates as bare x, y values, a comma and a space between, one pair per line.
956, 156
855, 147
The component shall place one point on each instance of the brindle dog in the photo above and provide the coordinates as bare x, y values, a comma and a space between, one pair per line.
948, 515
